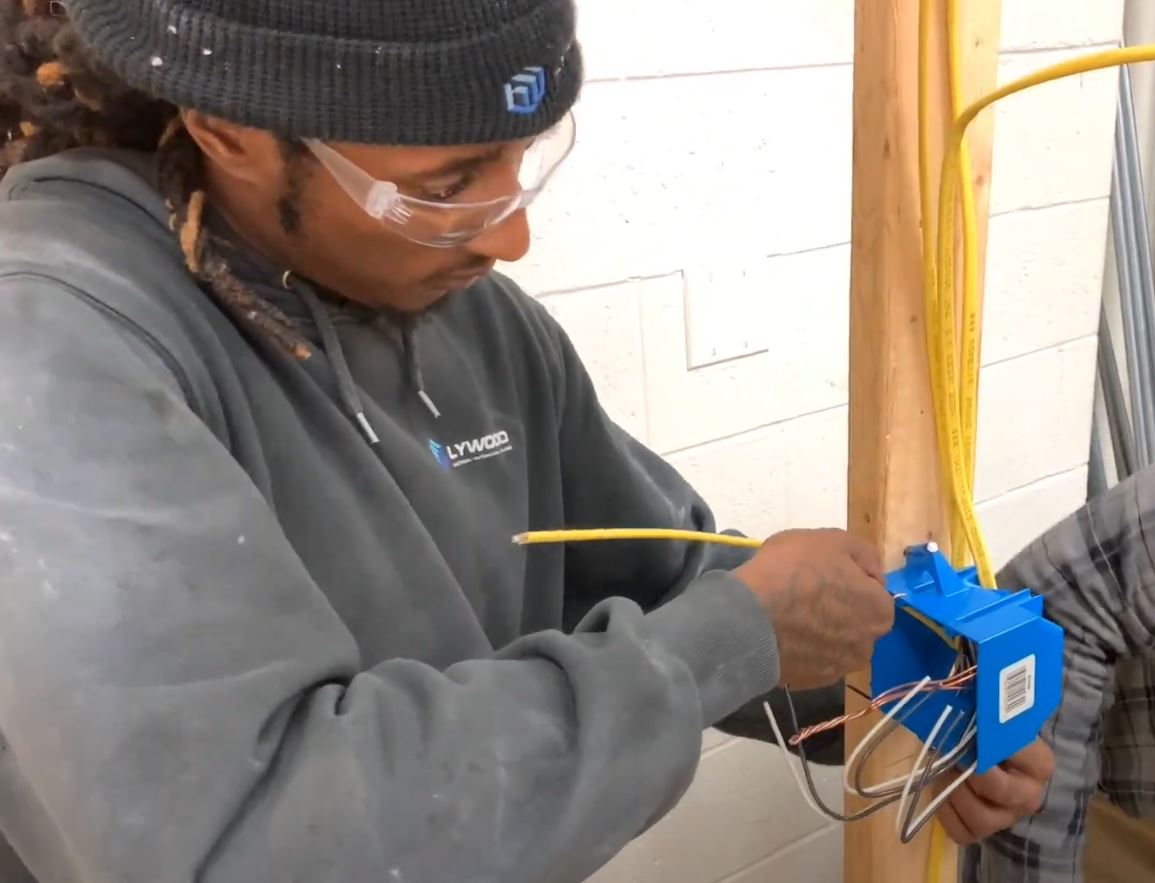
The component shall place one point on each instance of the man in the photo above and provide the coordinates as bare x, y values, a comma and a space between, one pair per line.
262, 618
1096, 570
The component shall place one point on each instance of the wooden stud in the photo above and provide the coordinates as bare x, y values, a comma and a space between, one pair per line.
894, 491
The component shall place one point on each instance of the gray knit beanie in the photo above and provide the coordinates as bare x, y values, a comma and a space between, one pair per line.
401, 72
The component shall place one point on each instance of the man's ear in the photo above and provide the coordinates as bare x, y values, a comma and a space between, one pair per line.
237, 151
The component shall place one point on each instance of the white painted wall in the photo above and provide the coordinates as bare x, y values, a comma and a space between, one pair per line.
695, 246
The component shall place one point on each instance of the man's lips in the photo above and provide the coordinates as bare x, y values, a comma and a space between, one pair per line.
464, 277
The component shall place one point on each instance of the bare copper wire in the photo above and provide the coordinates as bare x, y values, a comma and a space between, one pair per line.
954, 682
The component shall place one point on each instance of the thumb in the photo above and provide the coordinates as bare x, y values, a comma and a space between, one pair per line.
866, 556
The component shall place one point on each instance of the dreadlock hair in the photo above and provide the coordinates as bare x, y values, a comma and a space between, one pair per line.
55, 96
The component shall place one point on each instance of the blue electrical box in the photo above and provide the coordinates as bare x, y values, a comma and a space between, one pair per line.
1017, 653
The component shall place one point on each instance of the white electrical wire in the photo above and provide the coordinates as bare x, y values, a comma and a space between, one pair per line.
918, 769
892, 786
790, 761
874, 731
942, 798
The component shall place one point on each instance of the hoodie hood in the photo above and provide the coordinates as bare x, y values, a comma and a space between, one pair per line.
130, 177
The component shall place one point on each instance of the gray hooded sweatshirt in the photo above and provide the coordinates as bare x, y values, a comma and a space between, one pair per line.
261, 619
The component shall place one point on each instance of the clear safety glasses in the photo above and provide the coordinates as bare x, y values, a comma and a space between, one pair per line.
466, 215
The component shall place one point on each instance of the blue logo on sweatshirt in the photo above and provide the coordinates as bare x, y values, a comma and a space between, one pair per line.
440, 455
471, 450
525, 91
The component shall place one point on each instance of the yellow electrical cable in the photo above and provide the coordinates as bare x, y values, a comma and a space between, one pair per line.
930, 285
971, 325
940, 315
537, 537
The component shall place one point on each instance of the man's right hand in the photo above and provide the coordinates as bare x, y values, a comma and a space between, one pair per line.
824, 593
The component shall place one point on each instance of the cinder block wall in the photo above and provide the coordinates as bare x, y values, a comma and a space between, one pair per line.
695, 246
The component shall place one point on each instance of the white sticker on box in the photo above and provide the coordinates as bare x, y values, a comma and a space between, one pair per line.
1016, 689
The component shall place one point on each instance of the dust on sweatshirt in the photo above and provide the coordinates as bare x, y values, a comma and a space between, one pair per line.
261, 619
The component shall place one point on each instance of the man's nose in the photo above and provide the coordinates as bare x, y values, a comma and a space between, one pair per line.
507, 241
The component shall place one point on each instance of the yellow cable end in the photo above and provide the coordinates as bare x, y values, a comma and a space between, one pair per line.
937, 853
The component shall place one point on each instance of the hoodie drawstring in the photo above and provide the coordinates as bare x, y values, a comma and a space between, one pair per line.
346, 386
331, 343
413, 369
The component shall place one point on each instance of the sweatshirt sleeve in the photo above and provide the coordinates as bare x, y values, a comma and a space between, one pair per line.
612, 480
179, 701
1096, 571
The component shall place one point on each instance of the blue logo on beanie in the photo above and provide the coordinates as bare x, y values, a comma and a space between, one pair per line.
525, 91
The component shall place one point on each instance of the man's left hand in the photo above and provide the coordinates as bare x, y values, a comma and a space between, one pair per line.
996, 800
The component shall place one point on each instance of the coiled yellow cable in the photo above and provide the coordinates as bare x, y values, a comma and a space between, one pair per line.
959, 472
954, 391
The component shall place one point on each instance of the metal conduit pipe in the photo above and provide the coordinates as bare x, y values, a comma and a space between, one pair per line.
1131, 429
1127, 285
1114, 405
1139, 247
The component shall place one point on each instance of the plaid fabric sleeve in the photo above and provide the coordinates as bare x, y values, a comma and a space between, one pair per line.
1096, 572
1128, 776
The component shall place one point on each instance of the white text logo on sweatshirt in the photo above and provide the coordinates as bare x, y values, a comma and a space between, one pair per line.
462, 453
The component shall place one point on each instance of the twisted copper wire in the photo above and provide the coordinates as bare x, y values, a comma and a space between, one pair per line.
954, 682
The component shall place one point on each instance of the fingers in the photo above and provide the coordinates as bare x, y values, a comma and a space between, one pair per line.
876, 608
824, 591
815, 680
999, 798
997, 787
979, 816
956, 829
1011, 790
865, 556
869, 588
1019, 785
1036, 762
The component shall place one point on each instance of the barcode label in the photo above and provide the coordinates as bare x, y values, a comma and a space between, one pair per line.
1016, 689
